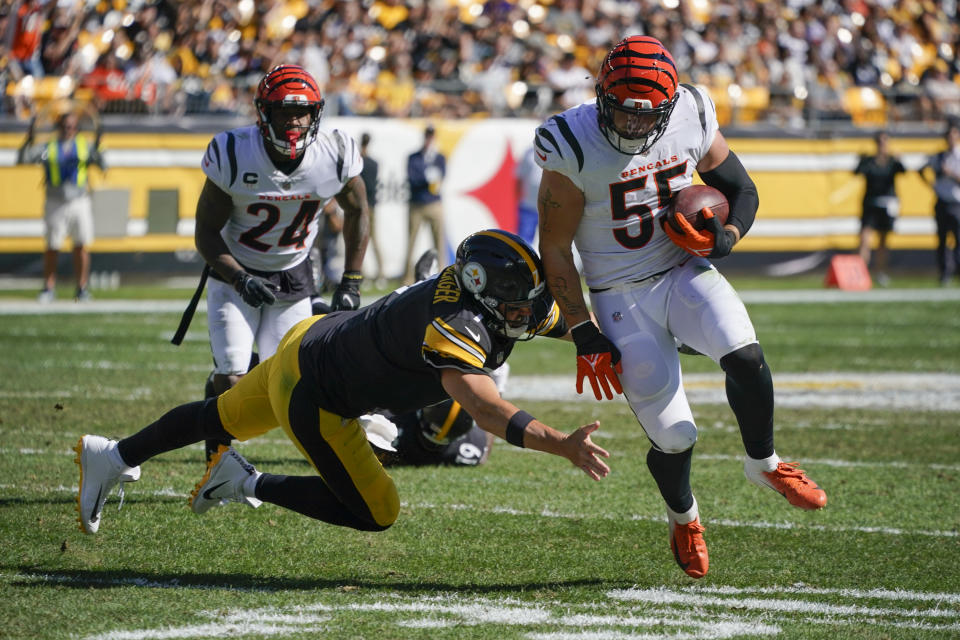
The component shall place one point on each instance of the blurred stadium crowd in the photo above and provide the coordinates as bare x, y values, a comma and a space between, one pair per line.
791, 63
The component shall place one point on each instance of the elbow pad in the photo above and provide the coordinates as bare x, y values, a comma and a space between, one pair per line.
732, 180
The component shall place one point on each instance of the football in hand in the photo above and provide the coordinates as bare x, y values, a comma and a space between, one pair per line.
691, 201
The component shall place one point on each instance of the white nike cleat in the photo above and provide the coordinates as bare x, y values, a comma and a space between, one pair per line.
98, 475
223, 482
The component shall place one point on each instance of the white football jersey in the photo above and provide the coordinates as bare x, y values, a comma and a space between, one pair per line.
619, 238
276, 216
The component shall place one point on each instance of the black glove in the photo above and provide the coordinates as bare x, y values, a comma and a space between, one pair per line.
254, 290
347, 295
723, 238
598, 360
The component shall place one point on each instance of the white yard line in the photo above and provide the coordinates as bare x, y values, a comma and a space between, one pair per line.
852, 390
901, 391
637, 613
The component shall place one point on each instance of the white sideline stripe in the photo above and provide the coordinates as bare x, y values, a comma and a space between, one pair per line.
927, 391
664, 596
876, 391
19, 306
13, 307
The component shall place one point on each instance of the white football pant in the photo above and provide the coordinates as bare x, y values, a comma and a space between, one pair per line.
234, 326
692, 302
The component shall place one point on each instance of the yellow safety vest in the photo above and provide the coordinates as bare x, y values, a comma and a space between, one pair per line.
53, 163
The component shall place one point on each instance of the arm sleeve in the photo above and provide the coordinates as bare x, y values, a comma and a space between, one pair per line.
731, 179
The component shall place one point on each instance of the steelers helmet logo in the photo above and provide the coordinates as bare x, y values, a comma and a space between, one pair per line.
474, 277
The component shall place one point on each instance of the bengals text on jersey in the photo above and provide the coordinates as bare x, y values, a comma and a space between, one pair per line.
275, 216
619, 238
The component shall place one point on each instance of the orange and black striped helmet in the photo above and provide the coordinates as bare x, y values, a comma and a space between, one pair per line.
638, 78
288, 85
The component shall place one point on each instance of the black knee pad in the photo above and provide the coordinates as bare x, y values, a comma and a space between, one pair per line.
745, 360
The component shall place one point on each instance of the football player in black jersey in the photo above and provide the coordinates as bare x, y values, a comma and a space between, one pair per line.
415, 347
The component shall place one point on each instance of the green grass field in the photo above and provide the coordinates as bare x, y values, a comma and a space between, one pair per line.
522, 547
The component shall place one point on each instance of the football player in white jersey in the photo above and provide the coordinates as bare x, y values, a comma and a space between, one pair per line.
257, 218
610, 170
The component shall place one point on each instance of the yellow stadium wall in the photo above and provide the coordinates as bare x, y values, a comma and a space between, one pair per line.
799, 181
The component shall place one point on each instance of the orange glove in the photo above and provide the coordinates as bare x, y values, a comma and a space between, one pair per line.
694, 242
597, 359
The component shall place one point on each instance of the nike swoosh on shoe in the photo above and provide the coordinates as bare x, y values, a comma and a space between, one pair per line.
208, 494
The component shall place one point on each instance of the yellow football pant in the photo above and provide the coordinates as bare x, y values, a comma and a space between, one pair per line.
273, 394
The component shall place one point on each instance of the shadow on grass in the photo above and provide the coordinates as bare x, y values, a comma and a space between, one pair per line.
85, 579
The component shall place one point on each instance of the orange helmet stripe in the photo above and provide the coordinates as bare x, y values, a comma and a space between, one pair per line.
639, 60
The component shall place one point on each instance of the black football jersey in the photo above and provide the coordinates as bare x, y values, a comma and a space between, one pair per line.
388, 356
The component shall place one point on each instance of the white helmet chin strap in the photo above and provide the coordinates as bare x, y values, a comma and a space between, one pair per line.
630, 145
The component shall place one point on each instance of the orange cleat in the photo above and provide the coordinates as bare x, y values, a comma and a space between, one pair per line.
790, 482
689, 548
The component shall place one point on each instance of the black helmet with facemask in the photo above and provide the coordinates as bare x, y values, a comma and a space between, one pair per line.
504, 274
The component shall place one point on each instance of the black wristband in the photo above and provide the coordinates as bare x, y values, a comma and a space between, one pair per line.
584, 331
516, 427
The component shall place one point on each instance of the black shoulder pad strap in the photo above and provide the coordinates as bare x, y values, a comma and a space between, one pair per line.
699, 99
191, 308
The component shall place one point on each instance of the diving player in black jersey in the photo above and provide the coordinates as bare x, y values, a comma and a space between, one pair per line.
415, 347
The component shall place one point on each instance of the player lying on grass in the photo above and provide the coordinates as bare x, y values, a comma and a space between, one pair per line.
414, 347
440, 434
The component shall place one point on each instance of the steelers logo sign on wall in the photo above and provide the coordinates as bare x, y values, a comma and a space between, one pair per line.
474, 277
